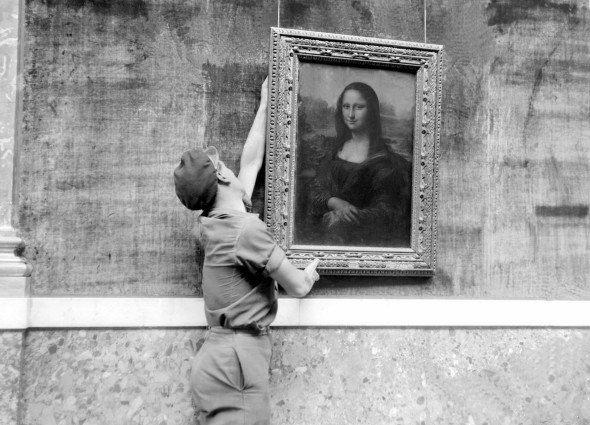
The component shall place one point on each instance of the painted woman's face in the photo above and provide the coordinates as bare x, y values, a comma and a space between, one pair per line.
354, 110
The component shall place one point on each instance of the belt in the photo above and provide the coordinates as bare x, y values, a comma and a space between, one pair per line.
248, 331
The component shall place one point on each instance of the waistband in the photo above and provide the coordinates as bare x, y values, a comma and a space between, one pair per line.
244, 331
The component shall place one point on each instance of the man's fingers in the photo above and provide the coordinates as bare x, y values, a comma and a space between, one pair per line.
312, 266
310, 270
264, 87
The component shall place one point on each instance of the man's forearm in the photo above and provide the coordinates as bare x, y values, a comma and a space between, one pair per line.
253, 150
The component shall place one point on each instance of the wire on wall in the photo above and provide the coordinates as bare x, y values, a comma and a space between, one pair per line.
424, 3
279, 16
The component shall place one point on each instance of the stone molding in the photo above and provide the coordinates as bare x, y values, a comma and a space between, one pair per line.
14, 270
11, 265
19, 313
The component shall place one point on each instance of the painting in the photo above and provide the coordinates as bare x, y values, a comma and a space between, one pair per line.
352, 152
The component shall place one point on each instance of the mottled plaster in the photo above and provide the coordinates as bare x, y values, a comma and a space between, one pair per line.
327, 376
115, 92
9, 28
10, 373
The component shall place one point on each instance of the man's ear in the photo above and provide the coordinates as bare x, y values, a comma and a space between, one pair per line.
213, 156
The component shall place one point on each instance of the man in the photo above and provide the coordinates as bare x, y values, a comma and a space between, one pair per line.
229, 378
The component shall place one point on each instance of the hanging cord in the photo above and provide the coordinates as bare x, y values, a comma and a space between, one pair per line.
424, 20
279, 16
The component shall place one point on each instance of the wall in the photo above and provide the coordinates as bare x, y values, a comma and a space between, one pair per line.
320, 376
115, 91
11, 349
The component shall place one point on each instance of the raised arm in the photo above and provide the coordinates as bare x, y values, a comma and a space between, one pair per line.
253, 151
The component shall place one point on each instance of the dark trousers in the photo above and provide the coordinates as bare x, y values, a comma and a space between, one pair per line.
229, 378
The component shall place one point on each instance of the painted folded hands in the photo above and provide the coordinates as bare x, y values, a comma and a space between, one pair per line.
341, 212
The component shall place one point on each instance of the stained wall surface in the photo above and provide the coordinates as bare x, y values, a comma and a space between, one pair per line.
115, 91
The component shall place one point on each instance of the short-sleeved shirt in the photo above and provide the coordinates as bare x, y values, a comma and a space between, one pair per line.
240, 255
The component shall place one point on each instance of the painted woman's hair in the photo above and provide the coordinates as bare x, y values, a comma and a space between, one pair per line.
373, 117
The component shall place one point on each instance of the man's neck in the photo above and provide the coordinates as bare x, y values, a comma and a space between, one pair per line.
228, 199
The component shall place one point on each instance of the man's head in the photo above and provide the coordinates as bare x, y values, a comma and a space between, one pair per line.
195, 178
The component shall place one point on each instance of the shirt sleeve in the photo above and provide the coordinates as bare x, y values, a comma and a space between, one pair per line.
256, 250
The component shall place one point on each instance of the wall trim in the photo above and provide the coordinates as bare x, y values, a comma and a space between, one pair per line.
19, 313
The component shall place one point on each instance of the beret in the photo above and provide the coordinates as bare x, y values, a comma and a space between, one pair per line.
195, 180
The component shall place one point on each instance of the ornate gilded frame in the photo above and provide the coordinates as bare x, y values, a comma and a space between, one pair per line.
287, 48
